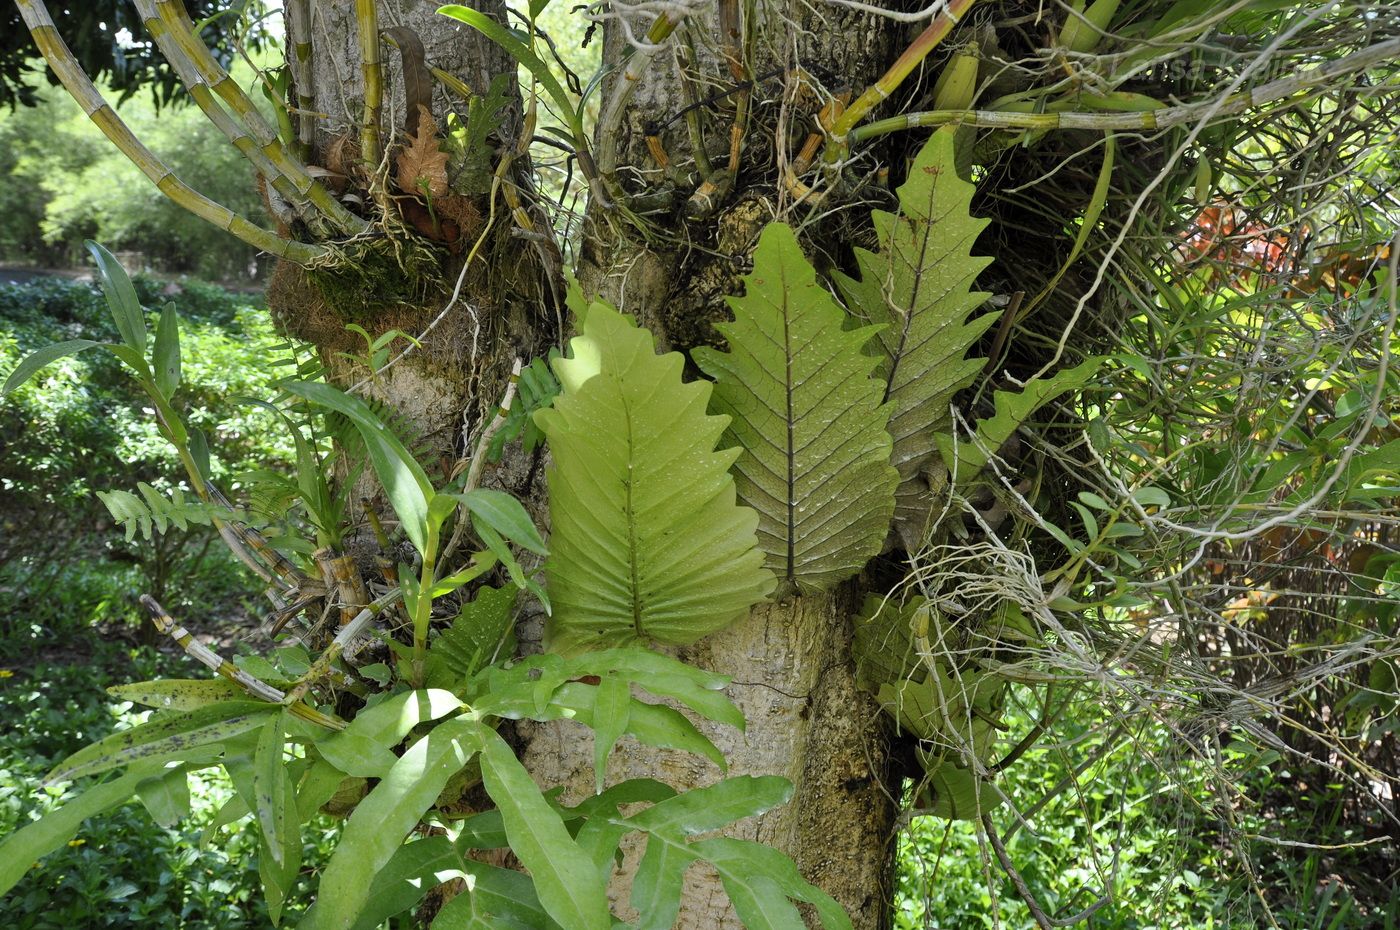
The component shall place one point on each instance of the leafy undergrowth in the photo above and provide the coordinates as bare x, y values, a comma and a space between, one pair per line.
1147, 821
123, 870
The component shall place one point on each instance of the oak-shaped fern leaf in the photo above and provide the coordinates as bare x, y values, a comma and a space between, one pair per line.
919, 285
647, 540
808, 416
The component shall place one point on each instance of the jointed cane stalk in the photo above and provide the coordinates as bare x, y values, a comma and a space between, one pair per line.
211, 659
182, 35
79, 86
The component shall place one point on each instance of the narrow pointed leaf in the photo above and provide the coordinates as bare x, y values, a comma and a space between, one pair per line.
752, 873
500, 899
521, 53
659, 882
648, 541
379, 824
404, 481
918, 286
610, 715
178, 693
716, 806
694, 688
415, 869
506, 515
569, 887
269, 789
164, 736
26, 846
38, 359
808, 416
165, 357
121, 298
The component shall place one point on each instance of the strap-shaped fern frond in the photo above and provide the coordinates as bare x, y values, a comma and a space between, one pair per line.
919, 285
159, 512
647, 540
808, 417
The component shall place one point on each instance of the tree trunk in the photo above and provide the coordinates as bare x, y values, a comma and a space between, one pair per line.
790, 660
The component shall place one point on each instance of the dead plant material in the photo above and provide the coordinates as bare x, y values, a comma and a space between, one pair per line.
422, 165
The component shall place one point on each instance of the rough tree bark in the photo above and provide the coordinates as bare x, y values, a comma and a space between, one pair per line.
790, 661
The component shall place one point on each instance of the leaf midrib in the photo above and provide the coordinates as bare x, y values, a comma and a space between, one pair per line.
632, 547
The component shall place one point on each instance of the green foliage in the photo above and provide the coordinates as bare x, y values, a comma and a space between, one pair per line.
567, 860
62, 184
647, 542
79, 427
154, 510
918, 288
909, 657
482, 632
1013, 409
122, 870
537, 390
808, 419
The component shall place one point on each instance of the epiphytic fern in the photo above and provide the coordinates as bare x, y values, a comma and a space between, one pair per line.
647, 541
919, 285
808, 416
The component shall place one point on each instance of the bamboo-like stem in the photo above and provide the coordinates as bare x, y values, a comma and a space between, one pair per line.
347, 635
1162, 118
234, 131
299, 43
181, 35
367, 18
80, 87
341, 575
732, 34
610, 119
692, 111
917, 51
212, 660
291, 576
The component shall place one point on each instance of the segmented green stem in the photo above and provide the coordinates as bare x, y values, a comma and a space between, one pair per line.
221, 666
80, 87
234, 131
1162, 118
367, 18
918, 50
610, 121
299, 41
182, 34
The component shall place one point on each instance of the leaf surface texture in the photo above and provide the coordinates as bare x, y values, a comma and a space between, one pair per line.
648, 541
808, 416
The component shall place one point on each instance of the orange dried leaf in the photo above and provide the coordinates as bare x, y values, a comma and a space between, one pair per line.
423, 164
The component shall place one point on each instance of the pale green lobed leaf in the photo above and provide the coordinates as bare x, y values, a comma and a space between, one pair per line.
648, 541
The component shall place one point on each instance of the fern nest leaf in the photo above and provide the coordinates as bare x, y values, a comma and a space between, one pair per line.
648, 541
918, 287
806, 411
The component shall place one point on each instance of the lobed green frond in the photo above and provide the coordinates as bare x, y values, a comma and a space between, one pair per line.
153, 511
919, 287
648, 541
808, 417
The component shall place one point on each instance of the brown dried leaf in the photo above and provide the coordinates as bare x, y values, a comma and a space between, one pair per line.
342, 159
423, 164
461, 211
